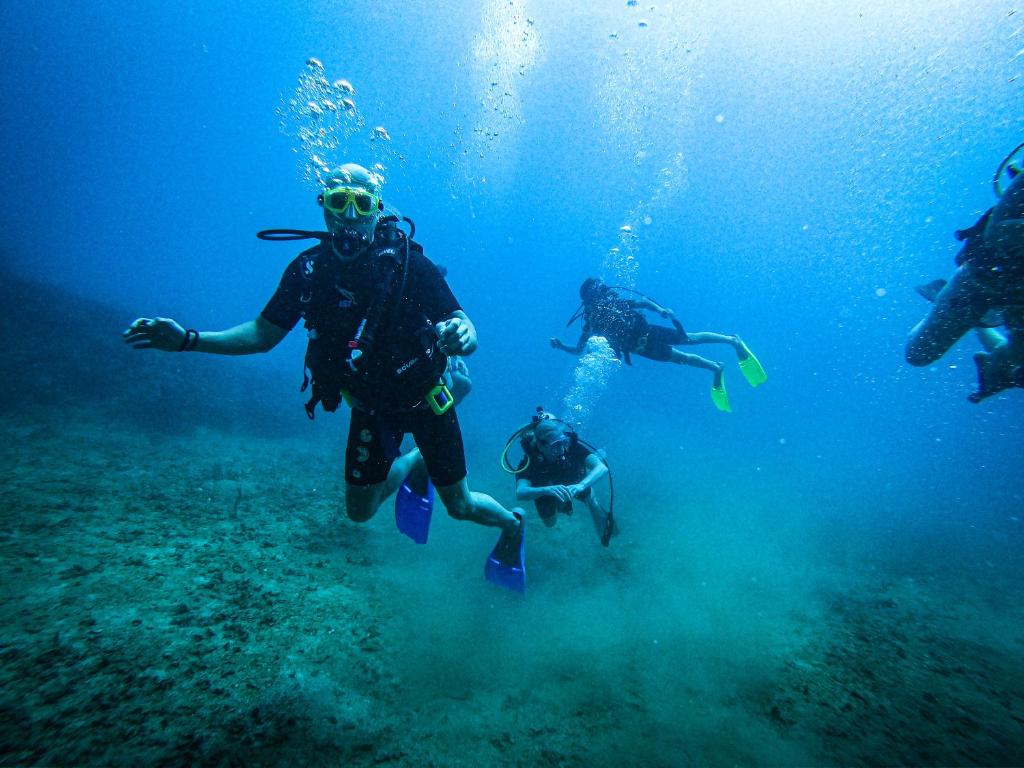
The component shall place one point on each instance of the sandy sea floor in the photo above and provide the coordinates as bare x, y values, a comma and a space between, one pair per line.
200, 599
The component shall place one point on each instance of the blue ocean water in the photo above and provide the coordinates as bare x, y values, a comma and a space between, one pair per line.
784, 171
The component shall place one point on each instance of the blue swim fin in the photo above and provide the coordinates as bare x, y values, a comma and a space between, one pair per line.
414, 503
506, 565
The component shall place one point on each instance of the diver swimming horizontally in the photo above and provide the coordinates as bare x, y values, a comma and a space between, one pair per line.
605, 313
987, 290
382, 324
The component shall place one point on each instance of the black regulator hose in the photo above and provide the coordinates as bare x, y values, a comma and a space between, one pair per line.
292, 234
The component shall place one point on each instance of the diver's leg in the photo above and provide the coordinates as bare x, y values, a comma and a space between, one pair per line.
464, 504
957, 308
708, 337
547, 509
1005, 351
718, 394
990, 338
373, 468
696, 361
363, 501
439, 438
598, 516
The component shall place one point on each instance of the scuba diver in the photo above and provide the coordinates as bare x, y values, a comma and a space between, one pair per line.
606, 313
987, 289
1001, 365
558, 467
381, 323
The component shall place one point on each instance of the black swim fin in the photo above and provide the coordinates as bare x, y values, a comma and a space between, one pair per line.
992, 382
930, 290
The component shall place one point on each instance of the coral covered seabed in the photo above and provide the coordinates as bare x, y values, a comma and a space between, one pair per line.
189, 592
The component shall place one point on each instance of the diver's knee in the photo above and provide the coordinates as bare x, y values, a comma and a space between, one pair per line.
459, 506
459, 510
360, 507
458, 500
358, 513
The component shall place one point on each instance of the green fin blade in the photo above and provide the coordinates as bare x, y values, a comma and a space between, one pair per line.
720, 397
751, 367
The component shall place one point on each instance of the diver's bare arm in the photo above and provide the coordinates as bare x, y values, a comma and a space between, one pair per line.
526, 491
596, 469
166, 335
580, 344
654, 306
259, 335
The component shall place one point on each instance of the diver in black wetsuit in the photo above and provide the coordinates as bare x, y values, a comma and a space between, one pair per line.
605, 313
988, 282
382, 323
557, 468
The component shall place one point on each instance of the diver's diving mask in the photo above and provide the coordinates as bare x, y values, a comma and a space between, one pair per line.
338, 199
557, 446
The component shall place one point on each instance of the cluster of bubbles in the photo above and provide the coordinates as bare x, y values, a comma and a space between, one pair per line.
323, 119
621, 266
503, 52
641, 23
667, 182
590, 379
622, 262
638, 83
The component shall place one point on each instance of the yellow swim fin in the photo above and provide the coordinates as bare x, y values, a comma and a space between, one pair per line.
719, 396
751, 366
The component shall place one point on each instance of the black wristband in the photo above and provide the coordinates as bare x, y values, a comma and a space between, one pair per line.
190, 340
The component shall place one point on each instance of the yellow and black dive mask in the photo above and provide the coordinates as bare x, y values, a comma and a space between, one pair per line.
337, 200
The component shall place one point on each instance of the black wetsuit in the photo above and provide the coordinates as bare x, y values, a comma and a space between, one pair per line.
628, 331
568, 471
388, 389
989, 277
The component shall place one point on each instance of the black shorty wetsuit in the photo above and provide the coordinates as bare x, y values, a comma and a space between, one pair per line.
568, 471
375, 434
628, 331
657, 343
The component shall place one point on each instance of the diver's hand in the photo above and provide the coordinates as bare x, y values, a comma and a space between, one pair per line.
557, 343
576, 490
560, 492
666, 312
456, 336
161, 333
